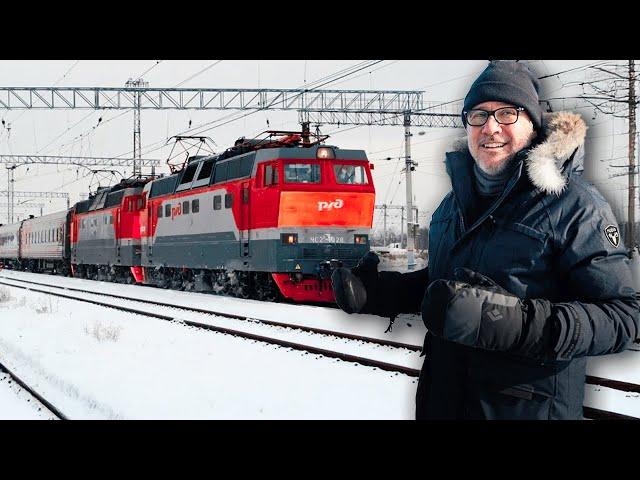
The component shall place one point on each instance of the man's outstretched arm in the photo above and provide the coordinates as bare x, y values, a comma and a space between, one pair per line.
364, 289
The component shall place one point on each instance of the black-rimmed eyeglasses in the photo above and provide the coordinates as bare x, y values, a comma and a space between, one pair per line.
504, 116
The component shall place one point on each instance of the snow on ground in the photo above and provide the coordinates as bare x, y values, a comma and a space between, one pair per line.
96, 363
624, 366
612, 400
16, 402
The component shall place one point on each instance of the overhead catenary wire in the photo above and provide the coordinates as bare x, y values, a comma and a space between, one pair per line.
158, 62
209, 67
310, 86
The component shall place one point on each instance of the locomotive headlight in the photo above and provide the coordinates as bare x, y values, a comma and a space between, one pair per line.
360, 239
325, 152
289, 238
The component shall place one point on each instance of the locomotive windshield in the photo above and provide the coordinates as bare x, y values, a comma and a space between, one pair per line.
301, 173
350, 174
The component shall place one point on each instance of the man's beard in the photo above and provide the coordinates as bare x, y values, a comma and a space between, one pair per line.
496, 169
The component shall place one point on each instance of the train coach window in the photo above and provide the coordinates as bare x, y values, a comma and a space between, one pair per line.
301, 173
228, 200
195, 205
159, 211
217, 202
167, 210
185, 207
350, 174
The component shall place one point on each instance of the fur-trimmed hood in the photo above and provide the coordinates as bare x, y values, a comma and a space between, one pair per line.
545, 162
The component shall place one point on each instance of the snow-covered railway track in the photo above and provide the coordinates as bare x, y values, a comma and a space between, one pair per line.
342, 355
48, 405
348, 336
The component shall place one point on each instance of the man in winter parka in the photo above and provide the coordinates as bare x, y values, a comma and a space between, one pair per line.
527, 275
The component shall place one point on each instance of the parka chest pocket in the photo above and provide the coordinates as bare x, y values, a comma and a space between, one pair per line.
515, 248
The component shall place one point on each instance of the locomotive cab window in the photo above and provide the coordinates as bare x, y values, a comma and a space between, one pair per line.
350, 174
301, 173
185, 207
167, 210
228, 200
270, 175
195, 205
188, 174
220, 173
205, 171
159, 211
217, 202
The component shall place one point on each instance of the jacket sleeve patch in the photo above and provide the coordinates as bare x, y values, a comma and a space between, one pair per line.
612, 234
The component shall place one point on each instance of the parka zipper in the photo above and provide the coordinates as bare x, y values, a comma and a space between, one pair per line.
489, 212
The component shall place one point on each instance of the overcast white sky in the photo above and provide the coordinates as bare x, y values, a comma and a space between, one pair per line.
72, 132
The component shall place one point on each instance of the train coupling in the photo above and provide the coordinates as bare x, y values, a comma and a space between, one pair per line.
326, 268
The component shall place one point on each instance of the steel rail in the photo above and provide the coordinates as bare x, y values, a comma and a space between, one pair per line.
32, 392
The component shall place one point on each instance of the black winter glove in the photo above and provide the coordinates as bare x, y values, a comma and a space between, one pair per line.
353, 288
473, 310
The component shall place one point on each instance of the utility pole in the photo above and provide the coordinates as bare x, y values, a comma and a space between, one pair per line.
411, 262
401, 227
137, 141
10, 193
384, 209
632, 159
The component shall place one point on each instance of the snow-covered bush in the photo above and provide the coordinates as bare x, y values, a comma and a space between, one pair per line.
103, 332
45, 306
5, 295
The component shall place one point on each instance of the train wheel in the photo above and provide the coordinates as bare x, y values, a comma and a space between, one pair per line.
266, 289
240, 284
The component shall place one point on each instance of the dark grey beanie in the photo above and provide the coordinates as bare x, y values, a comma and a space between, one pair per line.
510, 82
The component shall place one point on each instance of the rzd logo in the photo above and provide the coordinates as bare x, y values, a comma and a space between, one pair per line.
175, 211
339, 203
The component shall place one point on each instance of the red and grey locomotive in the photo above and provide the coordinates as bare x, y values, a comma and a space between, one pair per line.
264, 219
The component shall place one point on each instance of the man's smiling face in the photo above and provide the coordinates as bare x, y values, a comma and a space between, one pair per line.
493, 145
